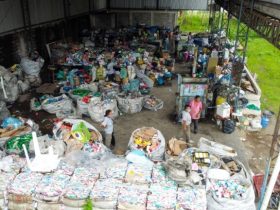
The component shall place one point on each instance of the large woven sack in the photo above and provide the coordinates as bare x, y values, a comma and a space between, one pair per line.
74, 122
49, 206
247, 202
76, 203
20, 198
156, 155
82, 107
73, 208
130, 105
97, 109
20, 206
216, 148
104, 204
61, 103
31, 67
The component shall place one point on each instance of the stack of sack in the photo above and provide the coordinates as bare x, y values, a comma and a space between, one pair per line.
20, 192
104, 194
79, 187
133, 197
50, 189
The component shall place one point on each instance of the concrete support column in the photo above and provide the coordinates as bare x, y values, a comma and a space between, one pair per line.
113, 20
92, 20
176, 19
152, 18
130, 18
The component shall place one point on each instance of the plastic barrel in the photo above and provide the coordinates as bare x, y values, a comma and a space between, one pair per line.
264, 121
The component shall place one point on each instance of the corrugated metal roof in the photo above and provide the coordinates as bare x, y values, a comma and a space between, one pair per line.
272, 1
10, 15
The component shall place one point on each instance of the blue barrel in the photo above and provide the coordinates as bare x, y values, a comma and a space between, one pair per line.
264, 121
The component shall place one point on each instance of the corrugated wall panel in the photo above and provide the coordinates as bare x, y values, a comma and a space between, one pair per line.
78, 7
43, 11
149, 4
141, 17
122, 19
164, 19
99, 4
183, 4
10, 15
133, 4
117, 4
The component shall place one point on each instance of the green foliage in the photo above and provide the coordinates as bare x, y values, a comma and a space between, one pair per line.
88, 205
193, 21
262, 57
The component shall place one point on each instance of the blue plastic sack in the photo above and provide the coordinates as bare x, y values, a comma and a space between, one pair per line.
11, 121
138, 157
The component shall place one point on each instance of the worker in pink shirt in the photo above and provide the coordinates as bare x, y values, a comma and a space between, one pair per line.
196, 109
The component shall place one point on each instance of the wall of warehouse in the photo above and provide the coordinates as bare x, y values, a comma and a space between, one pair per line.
125, 18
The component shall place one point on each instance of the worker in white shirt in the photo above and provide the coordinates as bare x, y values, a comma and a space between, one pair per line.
186, 123
108, 126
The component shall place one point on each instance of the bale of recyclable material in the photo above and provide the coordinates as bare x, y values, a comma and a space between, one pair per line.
130, 104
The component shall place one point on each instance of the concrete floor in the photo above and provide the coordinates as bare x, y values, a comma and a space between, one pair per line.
164, 121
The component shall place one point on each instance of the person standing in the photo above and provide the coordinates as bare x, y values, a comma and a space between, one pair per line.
186, 123
196, 109
108, 126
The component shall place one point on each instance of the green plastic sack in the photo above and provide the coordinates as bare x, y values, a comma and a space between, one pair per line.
14, 144
81, 92
81, 132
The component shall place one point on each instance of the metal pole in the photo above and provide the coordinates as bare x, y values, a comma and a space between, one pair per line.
247, 31
274, 140
210, 23
238, 26
271, 184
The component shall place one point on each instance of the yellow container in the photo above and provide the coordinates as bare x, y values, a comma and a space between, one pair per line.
220, 100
